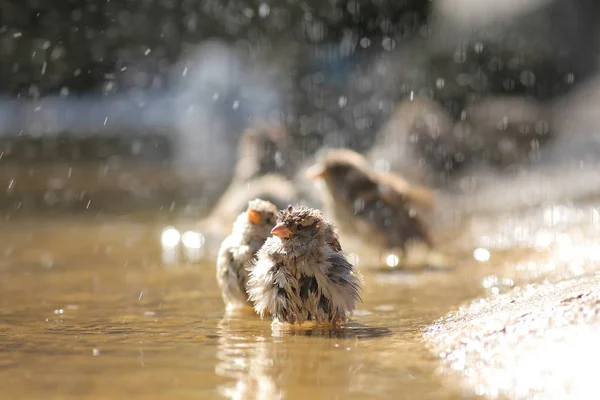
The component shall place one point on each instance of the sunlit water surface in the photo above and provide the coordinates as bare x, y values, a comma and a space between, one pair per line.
126, 307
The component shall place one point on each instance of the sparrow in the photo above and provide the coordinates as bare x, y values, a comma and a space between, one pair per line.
250, 230
300, 273
264, 170
415, 142
378, 209
264, 149
423, 141
505, 130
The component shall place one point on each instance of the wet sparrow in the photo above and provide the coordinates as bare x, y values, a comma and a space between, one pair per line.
250, 231
300, 274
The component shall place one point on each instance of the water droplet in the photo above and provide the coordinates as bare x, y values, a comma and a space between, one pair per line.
460, 57
264, 10
392, 260
194, 240
527, 78
170, 237
570, 78
481, 254
388, 44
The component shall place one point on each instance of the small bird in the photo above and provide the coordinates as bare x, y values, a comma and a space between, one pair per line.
300, 273
264, 149
505, 131
264, 154
379, 209
423, 141
263, 170
415, 142
250, 230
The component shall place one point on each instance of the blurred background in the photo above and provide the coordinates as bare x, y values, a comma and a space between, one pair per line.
140, 105
132, 132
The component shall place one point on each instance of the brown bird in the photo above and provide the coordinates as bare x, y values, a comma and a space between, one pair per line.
424, 142
264, 149
379, 209
300, 273
264, 170
250, 231
415, 141
504, 130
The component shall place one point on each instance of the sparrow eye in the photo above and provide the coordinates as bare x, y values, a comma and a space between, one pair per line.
299, 227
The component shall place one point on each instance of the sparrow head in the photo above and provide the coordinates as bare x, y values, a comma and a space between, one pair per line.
262, 212
259, 218
299, 225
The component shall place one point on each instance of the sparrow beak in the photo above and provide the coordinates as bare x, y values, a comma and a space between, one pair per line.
254, 217
316, 172
281, 231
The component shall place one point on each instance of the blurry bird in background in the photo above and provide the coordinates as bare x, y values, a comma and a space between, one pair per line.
421, 140
498, 142
366, 196
504, 130
376, 212
395, 147
263, 149
264, 169
250, 231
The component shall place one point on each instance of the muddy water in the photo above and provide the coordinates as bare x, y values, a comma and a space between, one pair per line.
99, 308
91, 308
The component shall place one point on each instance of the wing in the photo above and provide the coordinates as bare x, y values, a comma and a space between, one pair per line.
344, 283
332, 238
389, 212
397, 190
274, 291
231, 274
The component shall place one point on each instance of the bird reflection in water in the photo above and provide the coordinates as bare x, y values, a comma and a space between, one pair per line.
245, 359
267, 364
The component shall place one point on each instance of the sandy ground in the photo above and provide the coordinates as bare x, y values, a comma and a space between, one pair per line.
537, 341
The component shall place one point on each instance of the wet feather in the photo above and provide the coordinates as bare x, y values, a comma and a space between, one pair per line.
303, 277
239, 248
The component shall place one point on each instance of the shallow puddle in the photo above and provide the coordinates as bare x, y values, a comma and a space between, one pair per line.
91, 310
99, 308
